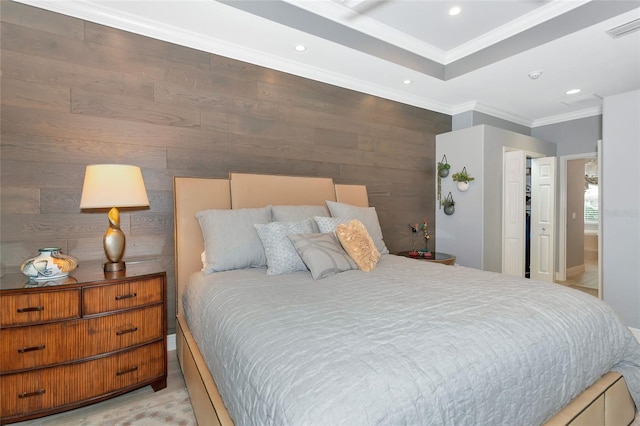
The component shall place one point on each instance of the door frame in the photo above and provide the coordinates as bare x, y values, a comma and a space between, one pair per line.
561, 273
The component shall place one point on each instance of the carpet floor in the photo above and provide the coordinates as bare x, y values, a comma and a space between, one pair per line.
173, 408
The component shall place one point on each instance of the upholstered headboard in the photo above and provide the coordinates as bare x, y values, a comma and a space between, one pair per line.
241, 190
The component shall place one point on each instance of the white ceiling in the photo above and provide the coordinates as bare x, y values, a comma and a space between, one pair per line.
478, 60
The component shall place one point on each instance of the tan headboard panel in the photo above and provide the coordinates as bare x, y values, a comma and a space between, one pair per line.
355, 195
250, 191
190, 196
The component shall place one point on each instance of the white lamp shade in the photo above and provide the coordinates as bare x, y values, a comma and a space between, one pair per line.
113, 185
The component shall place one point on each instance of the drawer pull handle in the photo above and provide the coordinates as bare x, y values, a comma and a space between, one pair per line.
128, 330
29, 394
126, 296
127, 370
32, 309
31, 349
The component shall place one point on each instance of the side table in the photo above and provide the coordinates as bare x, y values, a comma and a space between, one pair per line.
436, 256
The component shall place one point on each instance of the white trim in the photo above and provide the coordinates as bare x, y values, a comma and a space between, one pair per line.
561, 273
561, 118
527, 21
171, 342
636, 333
600, 259
486, 109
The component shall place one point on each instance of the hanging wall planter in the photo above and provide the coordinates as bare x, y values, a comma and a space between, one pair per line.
443, 167
462, 178
449, 205
463, 186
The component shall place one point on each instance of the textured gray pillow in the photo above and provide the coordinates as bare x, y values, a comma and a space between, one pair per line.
297, 213
323, 254
282, 257
329, 224
366, 215
231, 240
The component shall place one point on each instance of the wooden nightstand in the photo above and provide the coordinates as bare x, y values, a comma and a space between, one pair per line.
437, 257
89, 338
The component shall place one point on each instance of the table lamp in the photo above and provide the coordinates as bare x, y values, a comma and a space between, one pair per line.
112, 186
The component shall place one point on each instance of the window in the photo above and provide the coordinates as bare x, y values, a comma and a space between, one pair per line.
591, 204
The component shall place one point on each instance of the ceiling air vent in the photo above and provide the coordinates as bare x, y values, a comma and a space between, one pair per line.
624, 29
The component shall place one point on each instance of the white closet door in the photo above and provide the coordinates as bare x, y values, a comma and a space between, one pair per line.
543, 218
513, 220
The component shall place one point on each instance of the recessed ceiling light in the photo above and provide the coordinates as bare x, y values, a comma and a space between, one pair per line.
406, 81
454, 11
573, 91
301, 47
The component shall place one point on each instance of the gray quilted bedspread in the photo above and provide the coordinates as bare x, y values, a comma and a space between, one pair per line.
410, 343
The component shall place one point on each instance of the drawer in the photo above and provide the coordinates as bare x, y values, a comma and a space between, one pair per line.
43, 389
31, 308
48, 344
113, 297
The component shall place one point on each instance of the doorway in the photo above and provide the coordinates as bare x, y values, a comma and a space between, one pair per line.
528, 215
579, 254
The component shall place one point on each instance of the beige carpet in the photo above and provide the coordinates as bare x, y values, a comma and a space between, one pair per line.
172, 408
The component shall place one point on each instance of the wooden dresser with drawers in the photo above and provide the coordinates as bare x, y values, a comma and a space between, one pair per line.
80, 340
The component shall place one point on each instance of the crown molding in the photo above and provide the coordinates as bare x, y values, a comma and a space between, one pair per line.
525, 22
575, 115
343, 14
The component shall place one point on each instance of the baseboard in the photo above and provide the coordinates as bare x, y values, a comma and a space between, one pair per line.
636, 333
575, 269
171, 342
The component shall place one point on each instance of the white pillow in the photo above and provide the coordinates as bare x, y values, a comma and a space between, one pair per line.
231, 240
282, 256
297, 213
366, 215
329, 224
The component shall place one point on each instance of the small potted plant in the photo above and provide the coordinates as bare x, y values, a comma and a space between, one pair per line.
463, 178
414, 229
449, 205
443, 167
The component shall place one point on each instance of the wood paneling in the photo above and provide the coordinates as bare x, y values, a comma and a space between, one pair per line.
76, 93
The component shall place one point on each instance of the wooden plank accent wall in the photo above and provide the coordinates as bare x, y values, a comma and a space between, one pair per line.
75, 93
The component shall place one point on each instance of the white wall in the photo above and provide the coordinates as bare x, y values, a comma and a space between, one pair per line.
621, 205
461, 233
474, 233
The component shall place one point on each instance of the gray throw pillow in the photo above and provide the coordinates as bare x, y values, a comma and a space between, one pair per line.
231, 240
323, 254
297, 213
282, 257
366, 215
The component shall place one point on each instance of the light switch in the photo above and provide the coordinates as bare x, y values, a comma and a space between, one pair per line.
573, 215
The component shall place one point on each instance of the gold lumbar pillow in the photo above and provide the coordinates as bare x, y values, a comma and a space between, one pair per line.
357, 242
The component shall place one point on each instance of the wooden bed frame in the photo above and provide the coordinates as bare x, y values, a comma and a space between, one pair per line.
606, 402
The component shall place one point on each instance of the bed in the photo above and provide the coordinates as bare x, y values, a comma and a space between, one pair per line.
286, 348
